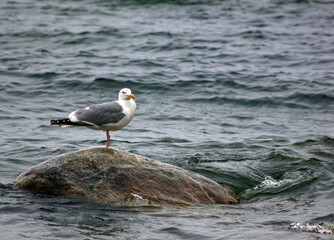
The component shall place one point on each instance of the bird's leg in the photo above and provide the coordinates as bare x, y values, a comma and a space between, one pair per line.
108, 139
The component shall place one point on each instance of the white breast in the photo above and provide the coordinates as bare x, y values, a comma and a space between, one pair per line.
129, 110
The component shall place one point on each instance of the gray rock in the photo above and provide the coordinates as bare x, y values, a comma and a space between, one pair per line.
108, 175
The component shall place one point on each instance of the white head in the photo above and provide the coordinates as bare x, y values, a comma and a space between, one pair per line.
125, 94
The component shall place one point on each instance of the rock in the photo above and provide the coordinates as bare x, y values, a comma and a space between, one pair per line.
107, 175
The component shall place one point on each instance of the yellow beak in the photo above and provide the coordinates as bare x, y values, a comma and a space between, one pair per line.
132, 96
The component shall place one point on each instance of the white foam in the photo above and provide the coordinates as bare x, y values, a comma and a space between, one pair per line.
269, 182
310, 228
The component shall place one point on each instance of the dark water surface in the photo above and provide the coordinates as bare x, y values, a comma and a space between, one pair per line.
239, 91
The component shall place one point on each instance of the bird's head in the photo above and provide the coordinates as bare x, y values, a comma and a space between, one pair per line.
125, 94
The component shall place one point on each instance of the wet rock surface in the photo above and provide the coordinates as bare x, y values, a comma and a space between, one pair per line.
108, 175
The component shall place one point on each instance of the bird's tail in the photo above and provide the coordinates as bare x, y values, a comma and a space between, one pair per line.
66, 122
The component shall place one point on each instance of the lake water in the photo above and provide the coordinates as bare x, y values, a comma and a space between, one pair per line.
241, 92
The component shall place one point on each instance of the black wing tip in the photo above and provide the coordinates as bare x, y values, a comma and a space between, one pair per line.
60, 121
53, 122
67, 121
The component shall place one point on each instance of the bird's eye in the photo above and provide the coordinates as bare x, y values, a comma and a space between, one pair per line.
124, 92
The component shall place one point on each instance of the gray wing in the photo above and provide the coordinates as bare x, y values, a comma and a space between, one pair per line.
100, 114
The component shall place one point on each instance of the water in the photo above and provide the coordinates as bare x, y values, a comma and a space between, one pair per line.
241, 92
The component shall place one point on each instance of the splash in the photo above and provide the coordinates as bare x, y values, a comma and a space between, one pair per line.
269, 182
306, 227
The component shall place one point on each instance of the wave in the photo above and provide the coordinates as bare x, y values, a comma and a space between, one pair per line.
322, 141
320, 99
273, 102
254, 34
297, 100
317, 228
158, 2
203, 88
64, 34
256, 171
321, 148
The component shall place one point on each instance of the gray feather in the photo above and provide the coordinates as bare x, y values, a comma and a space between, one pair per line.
101, 114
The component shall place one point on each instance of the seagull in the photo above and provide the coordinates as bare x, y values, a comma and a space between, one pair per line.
109, 116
